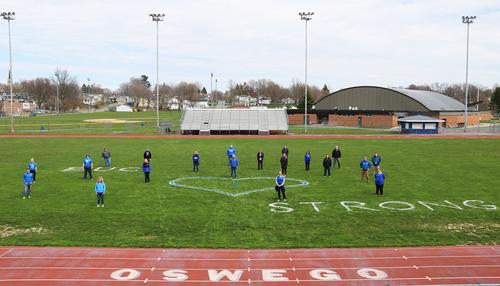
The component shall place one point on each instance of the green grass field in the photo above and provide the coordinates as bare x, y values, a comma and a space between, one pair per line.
62, 210
88, 123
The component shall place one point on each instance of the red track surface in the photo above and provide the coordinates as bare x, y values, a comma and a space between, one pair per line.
401, 266
244, 136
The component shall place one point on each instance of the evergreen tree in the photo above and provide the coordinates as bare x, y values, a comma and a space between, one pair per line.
495, 100
325, 91
203, 90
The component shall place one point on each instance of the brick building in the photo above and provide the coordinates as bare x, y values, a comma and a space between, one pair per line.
380, 107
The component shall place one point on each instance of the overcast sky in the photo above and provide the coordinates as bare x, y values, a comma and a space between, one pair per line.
377, 42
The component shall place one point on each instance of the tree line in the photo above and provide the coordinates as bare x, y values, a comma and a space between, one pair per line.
63, 92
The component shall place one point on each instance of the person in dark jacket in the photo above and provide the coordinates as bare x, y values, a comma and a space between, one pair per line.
307, 160
280, 186
106, 156
376, 160
260, 160
327, 164
379, 181
284, 150
146, 169
196, 161
336, 155
284, 163
148, 155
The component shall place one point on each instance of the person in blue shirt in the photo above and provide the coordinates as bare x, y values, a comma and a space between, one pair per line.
33, 168
196, 161
365, 166
376, 160
231, 151
280, 186
88, 165
100, 189
307, 159
146, 169
28, 180
379, 181
233, 163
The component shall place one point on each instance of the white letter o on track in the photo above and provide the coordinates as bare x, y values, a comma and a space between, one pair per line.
123, 276
371, 273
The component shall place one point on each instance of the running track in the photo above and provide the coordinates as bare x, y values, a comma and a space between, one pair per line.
401, 136
361, 266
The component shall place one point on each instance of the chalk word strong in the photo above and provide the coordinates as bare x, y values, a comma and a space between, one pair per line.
239, 275
350, 206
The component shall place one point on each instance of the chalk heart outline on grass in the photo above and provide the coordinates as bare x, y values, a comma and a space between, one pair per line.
176, 183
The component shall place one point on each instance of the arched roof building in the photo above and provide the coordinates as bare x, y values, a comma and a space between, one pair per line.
374, 98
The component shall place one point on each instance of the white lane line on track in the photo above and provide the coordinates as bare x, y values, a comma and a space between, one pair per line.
6, 252
428, 278
248, 259
209, 281
145, 280
248, 269
405, 257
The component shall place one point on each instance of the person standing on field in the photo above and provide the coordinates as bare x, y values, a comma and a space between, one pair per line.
148, 155
280, 186
307, 159
230, 153
284, 163
100, 189
260, 160
32, 166
88, 165
327, 164
28, 180
376, 160
336, 155
284, 150
379, 181
106, 156
233, 163
146, 169
365, 166
196, 161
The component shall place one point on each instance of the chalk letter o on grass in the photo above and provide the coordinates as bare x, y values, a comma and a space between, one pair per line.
484, 207
408, 208
123, 276
371, 273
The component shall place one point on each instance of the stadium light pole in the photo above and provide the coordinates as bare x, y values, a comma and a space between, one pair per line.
306, 16
157, 18
215, 96
10, 16
211, 82
467, 20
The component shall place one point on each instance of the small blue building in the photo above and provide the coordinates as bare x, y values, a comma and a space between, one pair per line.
419, 124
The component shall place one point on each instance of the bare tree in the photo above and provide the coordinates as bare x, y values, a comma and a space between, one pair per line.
39, 90
69, 91
139, 89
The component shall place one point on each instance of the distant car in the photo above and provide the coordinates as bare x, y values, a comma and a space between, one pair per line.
2, 114
38, 112
16, 114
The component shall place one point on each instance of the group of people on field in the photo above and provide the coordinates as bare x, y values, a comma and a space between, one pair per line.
29, 177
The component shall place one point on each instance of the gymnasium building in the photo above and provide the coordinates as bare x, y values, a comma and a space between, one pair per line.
381, 107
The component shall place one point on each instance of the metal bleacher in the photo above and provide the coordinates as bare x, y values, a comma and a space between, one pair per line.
234, 121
